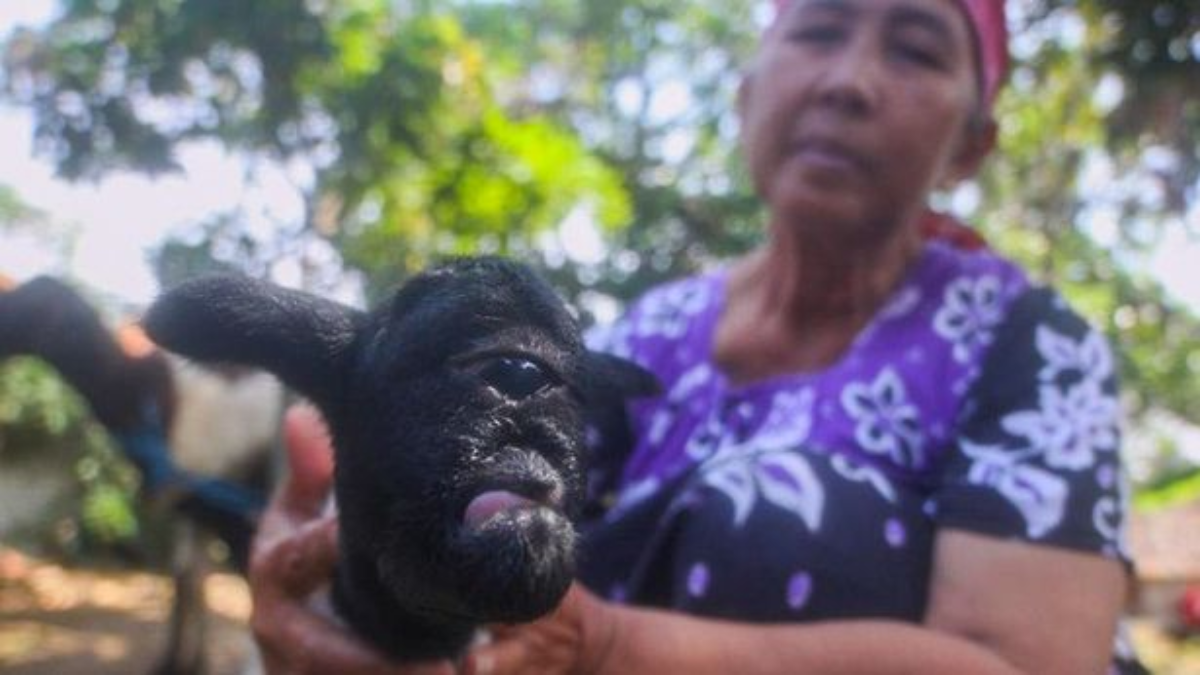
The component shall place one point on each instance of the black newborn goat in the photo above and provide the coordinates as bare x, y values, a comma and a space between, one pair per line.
456, 412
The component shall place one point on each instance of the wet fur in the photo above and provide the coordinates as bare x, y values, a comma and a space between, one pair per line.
418, 433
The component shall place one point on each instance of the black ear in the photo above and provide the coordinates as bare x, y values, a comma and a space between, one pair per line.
609, 378
301, 338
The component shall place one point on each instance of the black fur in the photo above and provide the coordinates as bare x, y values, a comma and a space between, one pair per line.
413, 395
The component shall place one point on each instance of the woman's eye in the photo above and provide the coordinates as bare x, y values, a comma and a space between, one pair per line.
920, 57
816, 34
515, 377
919, 52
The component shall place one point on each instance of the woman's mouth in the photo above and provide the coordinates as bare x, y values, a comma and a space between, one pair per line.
829, 155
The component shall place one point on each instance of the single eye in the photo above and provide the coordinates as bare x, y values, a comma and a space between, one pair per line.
515, 377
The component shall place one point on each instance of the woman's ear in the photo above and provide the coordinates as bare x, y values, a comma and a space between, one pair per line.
301, 338
977, 142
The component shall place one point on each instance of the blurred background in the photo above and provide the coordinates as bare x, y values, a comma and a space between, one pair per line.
339, 145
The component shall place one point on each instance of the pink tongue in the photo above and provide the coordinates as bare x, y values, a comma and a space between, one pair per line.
488, 504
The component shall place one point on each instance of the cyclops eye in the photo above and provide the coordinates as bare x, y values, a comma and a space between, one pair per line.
515, 377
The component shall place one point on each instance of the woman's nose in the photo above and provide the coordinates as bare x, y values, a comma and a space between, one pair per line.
851, 81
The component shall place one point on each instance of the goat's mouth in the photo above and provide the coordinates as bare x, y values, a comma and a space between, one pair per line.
495, 506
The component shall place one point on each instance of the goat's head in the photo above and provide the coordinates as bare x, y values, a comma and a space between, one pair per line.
457, 416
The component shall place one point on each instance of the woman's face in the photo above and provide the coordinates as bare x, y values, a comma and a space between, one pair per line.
856, 109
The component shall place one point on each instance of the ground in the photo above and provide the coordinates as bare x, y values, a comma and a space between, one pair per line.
58, 621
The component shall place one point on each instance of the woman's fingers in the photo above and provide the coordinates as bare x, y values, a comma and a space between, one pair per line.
300, 561
295, 552
301, 496
310, 459
299, 641
297, 638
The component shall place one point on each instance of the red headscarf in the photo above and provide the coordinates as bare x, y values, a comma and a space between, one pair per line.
987, 20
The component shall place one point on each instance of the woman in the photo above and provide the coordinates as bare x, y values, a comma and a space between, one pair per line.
876, 452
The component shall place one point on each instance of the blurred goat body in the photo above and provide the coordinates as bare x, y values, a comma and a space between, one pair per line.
226, 421
218, 424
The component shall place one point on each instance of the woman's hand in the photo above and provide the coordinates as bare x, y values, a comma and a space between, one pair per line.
293, 556
575, 638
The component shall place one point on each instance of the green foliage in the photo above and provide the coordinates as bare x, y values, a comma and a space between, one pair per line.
1152, 44
408, 151
15, 212
650, 86
213, 67
1172, 490
1039, 208
41, 416
36, 407
108, 513
1149, 47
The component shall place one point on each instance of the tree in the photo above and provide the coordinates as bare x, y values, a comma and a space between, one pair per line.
44, 422
384, 111
1088, 182
650, 85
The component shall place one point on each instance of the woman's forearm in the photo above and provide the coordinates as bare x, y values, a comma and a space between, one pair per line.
654, 642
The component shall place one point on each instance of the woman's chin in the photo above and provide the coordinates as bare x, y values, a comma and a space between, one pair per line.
819, 215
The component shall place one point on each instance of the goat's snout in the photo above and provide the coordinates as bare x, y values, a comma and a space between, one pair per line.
518, 480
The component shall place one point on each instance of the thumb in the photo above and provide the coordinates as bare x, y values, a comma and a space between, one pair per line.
310, 458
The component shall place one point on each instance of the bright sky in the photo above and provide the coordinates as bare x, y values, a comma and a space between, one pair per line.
122, 218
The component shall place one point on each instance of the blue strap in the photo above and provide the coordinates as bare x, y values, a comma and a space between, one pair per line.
146, 446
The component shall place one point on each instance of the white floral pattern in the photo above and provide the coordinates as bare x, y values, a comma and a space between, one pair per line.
970, 310
632, 495
1069, 426
770, 466
611, 338
1074, 422
864, 473
683, 392
667, 312
1089, 358
782, 477
885, 421
1039, 495
790, 420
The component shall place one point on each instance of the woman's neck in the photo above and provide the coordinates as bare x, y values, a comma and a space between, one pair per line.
809, 281
797, 303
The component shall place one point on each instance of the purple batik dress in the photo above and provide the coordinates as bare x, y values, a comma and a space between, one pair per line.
973, 400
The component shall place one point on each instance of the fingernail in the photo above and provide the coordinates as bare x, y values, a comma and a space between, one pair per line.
306, 411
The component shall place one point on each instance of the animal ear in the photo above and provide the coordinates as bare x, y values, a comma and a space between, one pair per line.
608, 378
301, 338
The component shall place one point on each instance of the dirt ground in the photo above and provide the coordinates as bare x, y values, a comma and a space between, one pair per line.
57, 621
